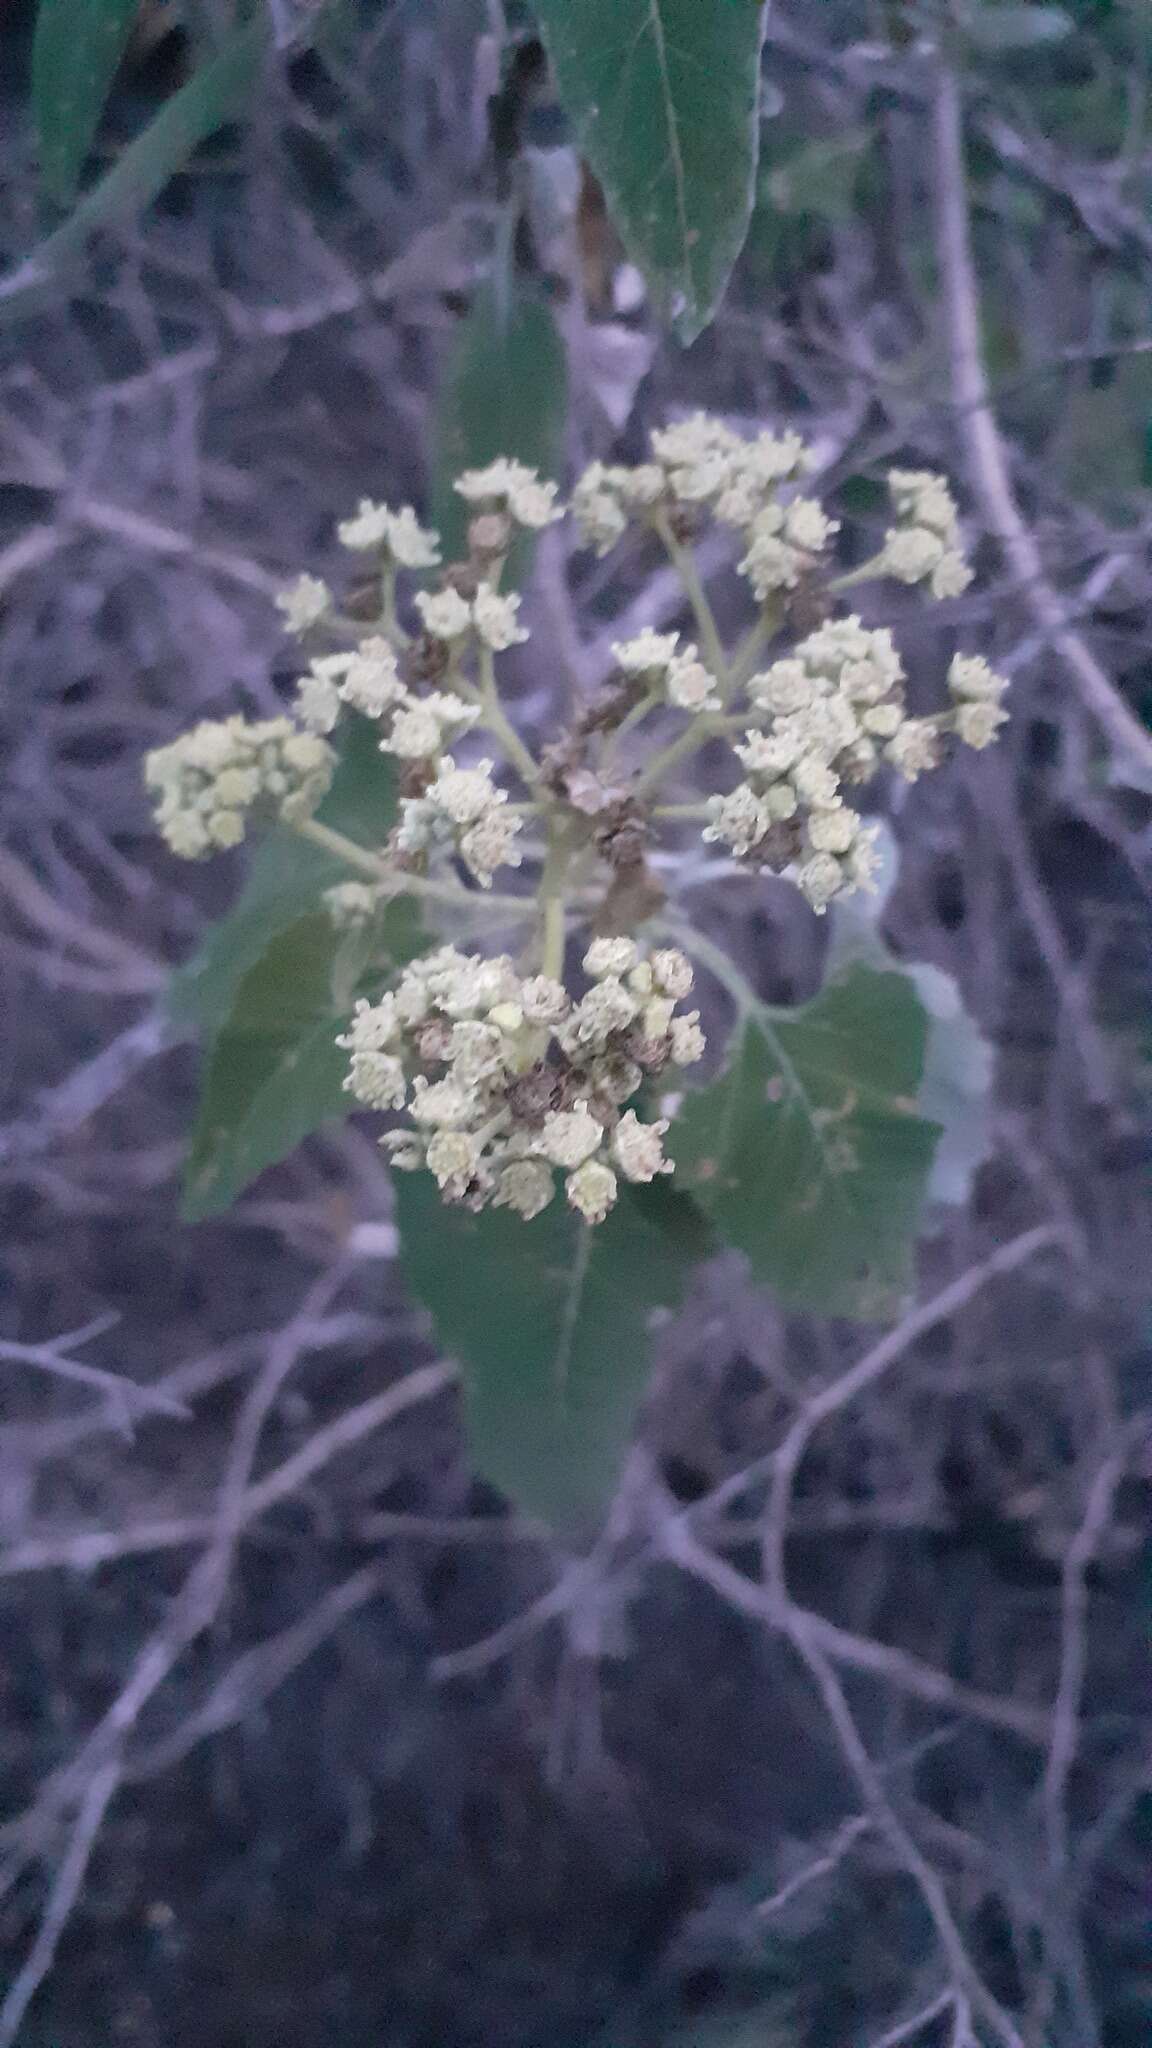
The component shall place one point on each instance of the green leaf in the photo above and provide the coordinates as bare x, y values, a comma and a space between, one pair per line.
808, 1152
820, 178
505, 393
662, 95
214, 95
75, 56
1001, 28
275, 1072
287, 878
550, 1322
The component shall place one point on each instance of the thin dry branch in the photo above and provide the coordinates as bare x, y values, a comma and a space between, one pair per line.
984, 449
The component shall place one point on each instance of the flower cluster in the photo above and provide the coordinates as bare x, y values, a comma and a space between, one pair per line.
462, 811
701, 464
826, 716
925, 545
506, 1080
513, 488
396, 536
206, 782
669, 671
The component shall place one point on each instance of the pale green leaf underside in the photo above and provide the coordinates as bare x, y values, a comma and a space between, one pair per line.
550, 1321
663, 97
808, 1153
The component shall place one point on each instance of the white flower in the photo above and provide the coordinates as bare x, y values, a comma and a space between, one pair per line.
950, 577
367, 529
411, 545
638, 1148
317, 701
525, 1185
820, 879
807, 525
443, 1104
970, 676
772, 753
911, 553
606, 1008
644, 485
610, 956
446, 615
376, 1079
490, 844
689, 685
647, 652
371, 682
205, 781
495, 618
350, 904
832, 831
544, 1001
570, 1136
914, 748
815, 782
464, 794
596, 507
305, 603
452, 1159
374, 1026
739, 820
882, 720
785, 687
672, 972
530, 501
415, 734
771, 563
592, 1190
977, 724
687, 1039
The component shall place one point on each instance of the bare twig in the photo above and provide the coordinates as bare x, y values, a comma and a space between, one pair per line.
983, 446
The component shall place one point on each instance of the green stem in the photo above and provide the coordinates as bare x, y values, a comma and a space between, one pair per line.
495, 720
379, 870
705, 727
552, 901
868, 572
627, 724
390, 625
684, 562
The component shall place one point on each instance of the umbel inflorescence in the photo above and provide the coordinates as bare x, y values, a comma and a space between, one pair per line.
504, 1076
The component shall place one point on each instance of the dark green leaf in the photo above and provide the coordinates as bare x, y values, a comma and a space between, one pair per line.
550, 1322
214, 95
504, 394
662, 95
286, 879
75, 56
808, 1153
274, 1071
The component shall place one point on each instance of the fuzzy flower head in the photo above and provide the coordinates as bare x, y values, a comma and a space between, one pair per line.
207, 782
306, 603
515, 488
500, 1092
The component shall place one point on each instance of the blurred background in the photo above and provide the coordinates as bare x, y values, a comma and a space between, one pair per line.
362, 1790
